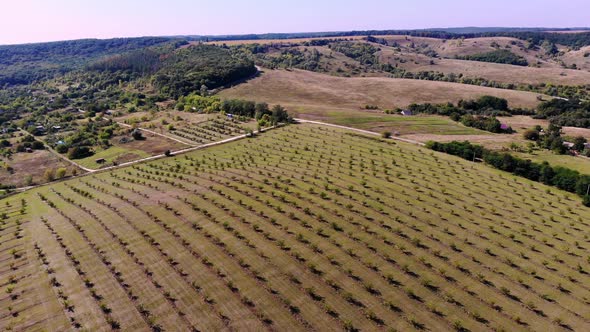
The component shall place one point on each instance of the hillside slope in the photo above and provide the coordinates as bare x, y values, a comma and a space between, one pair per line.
303, 228
308, 92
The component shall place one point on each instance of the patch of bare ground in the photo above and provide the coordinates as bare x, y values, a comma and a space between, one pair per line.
33, 164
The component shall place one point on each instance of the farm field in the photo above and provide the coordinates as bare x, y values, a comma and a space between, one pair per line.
304, 227
309, 93
400, 125
580, 164
131, 150
191, 128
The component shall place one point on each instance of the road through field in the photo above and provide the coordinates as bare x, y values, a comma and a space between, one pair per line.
358, 130
88, 170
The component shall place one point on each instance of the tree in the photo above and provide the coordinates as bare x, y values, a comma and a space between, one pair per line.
557, 146
168, 153
36, 145
260, 110
386, 134
79, 152
204, 91
579, 143
61, 148
531, 134
137, 135
279, 114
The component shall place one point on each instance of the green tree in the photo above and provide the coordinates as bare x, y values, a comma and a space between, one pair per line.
579, 142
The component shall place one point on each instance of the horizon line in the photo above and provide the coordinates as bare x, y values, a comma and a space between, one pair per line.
441, 29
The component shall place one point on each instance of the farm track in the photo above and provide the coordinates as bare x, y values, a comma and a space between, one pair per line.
307, 227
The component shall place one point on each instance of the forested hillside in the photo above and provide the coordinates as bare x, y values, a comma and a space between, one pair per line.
22, 64
179, 71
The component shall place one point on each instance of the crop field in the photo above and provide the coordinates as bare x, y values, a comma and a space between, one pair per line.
578, 163
304, 227
401, 125
207, 131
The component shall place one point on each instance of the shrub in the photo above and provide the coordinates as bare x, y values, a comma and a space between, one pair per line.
50, 174
531, 135
61, 173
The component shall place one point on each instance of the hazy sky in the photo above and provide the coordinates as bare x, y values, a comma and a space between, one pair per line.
46, 20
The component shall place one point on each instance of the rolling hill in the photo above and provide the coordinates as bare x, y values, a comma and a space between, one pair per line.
308, 93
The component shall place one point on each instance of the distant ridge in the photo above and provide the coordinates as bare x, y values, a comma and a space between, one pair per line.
448, 33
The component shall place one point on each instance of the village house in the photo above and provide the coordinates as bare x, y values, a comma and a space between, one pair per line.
406, 112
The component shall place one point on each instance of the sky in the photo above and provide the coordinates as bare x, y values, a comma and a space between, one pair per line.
25, 21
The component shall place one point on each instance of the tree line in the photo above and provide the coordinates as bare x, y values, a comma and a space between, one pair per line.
535, 36
497, 56
480, 113
262, 112
572, 112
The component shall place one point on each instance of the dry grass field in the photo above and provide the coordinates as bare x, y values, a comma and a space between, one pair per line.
491, 71
14, 171
460, 47
408, 53
306, 92
302, 228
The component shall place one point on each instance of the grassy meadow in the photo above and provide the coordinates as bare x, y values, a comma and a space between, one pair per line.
309, 92
301, 228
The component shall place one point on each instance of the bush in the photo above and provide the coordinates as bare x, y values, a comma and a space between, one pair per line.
531, 135
50, 174
386, 134
61, 173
